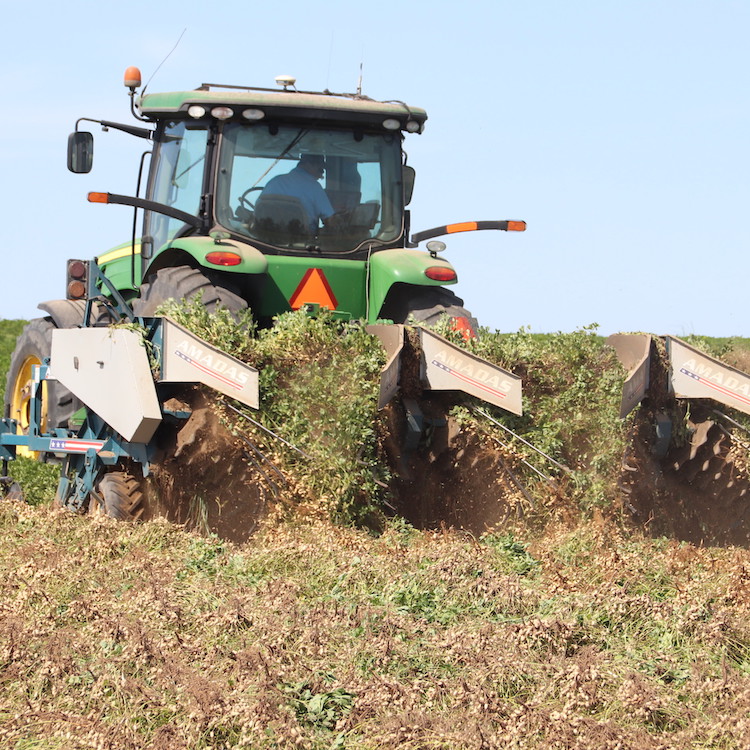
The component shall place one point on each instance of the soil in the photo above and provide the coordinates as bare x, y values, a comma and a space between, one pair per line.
205, 477
698, 493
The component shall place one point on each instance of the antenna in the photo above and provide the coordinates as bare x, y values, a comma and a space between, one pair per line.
330, 57
359, 82
163, 61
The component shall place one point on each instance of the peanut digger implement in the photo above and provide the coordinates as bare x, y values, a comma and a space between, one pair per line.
116, 434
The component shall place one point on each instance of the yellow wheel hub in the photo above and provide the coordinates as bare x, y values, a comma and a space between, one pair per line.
20, 402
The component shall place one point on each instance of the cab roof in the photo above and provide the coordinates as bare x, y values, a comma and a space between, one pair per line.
284, 105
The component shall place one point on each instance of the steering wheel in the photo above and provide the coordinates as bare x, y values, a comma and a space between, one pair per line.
244, 201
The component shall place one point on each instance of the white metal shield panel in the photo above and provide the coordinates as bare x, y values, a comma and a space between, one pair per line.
108, 369
634, 352
392, 339
187, 358
450, 368
696, 375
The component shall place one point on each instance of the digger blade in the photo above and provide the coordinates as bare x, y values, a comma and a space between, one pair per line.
187, 358
694, 374
446, 367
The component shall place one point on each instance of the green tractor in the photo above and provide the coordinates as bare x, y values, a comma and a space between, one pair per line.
267, 199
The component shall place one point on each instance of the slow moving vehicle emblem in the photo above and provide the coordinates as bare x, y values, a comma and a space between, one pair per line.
314, 289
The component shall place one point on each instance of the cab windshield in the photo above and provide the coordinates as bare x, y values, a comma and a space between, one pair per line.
298, 188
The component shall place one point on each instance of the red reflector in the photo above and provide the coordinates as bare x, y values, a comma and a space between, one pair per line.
223, 258
77, 269
440, 273
76, 290
98, 197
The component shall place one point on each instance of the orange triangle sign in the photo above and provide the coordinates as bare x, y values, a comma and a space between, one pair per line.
314, 289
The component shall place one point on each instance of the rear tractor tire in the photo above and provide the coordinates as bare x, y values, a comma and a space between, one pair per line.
58, 403
430, 304
122, 497
182, 283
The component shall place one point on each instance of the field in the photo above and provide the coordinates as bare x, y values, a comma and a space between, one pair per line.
581, 609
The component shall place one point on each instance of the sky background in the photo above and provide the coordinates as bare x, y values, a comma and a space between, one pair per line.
617, 130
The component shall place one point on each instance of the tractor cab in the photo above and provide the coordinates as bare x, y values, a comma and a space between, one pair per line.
289, 172
289, 188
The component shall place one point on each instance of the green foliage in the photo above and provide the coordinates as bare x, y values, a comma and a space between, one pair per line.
10, 330
233, 334
572, 388
714, 347
319, 380
321, 710
319, 383
203, 557
320, 390
38, 480
516, 553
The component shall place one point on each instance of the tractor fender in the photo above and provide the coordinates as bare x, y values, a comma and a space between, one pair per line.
402, 266
251, 259
66, 313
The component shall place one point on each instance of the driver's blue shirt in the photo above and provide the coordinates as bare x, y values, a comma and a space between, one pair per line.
302, 185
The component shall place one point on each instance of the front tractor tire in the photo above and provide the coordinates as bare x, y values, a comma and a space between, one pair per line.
182, 283
120, 496
58, 403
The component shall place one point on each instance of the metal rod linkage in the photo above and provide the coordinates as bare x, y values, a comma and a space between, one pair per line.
518, 437
265, 429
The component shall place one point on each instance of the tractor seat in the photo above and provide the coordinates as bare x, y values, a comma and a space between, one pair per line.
281, 220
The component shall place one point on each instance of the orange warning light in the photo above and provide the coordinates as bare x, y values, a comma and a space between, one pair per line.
516, 226
314, 289
132, 77
98, 197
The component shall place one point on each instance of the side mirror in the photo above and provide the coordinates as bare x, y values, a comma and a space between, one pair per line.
408, 177
80, 152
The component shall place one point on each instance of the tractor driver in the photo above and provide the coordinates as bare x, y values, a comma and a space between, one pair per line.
303, 184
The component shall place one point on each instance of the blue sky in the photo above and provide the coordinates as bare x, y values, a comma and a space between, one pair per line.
617, 130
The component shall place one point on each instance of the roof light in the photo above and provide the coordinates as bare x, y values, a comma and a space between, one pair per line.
224, 258
196, 111
413, 127
436, 246
440, 273
391, 124
253, 114
222, 113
